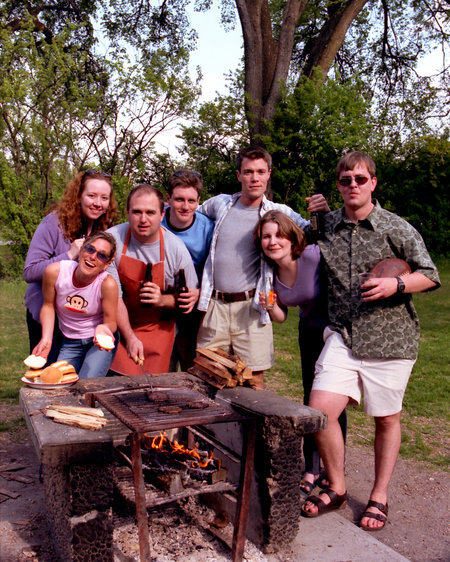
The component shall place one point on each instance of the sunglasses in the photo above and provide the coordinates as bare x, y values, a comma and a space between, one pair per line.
360, 180
104, 174
101, 255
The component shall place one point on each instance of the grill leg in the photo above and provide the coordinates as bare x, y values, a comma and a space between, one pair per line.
139, 493
245, 484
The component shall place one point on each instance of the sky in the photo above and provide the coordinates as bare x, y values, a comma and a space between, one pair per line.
217, 53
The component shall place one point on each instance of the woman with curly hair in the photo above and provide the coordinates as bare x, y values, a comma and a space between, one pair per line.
87, 206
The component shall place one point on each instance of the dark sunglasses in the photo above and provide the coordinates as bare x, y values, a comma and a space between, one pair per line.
101, 255
105, 174
360, 180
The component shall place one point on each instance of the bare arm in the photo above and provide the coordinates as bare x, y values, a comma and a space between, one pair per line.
110, 297
384, 287
135, 347
47, 315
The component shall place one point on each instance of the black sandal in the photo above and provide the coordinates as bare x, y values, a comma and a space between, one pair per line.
337, 502
383, 518
306, 487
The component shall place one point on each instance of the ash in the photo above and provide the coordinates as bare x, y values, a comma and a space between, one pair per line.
178, 531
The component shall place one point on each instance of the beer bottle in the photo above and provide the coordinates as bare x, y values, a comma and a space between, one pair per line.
316, 220
147, 277
181, 285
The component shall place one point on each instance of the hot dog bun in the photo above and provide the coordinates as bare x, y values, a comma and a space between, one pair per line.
70, 377
34, 374
104, 341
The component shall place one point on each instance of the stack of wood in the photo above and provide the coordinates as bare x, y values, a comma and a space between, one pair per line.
77, 416
220, 369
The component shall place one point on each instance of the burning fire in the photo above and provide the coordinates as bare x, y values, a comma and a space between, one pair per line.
198, 459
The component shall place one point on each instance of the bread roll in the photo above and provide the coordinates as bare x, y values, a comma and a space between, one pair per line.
34, 374
35, 361
58, 364
105, 341
70, 377
66, 369
51, 375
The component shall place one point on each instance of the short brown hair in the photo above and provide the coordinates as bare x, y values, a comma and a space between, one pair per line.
253, 153
352, 159
102, 236
286, 229
185, 178
146, 188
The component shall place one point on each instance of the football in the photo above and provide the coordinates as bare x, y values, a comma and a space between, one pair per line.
391, 267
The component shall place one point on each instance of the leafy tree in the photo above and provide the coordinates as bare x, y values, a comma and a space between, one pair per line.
413, 182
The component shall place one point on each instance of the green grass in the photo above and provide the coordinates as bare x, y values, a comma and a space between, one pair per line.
425, 415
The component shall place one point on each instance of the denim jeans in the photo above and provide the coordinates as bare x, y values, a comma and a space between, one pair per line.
89, 360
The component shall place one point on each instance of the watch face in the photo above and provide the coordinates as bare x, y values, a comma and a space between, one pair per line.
400, 285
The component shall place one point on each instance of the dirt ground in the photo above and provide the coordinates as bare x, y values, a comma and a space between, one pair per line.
417, 527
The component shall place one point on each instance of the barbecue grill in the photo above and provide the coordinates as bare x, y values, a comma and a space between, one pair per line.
146, 409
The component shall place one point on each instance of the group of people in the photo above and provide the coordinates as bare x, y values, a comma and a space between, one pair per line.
178, 275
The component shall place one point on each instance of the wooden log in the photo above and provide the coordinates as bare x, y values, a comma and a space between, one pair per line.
76, 420
207, 378
213, 368
216, 357
95, 412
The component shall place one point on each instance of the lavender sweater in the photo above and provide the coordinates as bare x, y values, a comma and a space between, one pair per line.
309, 290
47, 246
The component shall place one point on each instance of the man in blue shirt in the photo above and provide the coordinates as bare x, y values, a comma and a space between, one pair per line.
195, 230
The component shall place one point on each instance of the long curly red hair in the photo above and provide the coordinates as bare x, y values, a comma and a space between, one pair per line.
71, 220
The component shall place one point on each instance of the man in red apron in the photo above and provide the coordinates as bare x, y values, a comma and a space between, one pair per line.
146, 318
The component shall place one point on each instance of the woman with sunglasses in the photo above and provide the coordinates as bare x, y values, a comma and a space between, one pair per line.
87, 206
85, 298
298, 281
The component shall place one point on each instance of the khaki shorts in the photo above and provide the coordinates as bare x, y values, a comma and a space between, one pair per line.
383, 381
236, 328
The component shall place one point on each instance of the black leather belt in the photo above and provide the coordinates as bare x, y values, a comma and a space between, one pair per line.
233, 297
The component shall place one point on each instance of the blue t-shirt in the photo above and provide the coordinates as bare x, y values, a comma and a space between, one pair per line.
197, 238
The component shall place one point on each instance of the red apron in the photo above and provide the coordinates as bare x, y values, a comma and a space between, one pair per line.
155, 327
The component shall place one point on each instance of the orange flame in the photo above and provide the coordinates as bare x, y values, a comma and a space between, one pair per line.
162, 443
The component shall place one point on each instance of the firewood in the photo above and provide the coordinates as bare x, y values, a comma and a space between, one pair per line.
217, 357
247, 373
212, 368
96, 412
77, 420
207, 378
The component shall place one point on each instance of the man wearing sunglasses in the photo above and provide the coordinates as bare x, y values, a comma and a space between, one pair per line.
146, 318
372, 340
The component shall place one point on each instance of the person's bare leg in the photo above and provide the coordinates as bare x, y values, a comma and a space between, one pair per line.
258, 380
387, 446
330, 442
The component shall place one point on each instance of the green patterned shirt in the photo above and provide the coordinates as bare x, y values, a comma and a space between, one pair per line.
386, 328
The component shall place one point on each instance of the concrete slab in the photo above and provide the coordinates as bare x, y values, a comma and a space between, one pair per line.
332, 538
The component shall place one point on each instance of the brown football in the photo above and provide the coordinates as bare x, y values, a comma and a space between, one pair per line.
391, 267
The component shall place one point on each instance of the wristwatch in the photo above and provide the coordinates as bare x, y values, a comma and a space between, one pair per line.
400, 285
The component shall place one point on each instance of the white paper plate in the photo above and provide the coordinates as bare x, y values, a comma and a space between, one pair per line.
47, 386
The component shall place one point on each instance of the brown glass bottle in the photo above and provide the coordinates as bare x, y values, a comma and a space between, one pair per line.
147, 277
181, 285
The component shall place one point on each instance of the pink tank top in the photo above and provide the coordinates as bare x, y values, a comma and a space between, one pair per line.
79, 309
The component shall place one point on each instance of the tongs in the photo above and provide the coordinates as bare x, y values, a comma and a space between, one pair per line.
140, 362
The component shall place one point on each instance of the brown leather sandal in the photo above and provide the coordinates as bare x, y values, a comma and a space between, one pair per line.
383, 518
337, 502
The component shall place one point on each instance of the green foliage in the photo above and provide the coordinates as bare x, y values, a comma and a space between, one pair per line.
414, 184
313, 125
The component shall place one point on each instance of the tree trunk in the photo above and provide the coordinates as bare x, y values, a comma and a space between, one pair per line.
325, 47
267, 60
